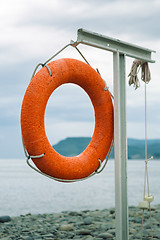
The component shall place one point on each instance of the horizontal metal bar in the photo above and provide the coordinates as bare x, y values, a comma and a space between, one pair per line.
113, 45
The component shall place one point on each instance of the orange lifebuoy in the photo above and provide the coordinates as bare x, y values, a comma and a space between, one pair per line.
33, 111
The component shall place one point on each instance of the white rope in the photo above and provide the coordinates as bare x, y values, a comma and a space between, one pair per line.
146, 182
63, 180
146, 177
145, 97
99, 169
47, 61
105, 87
145, 73
82, 56
29, 156
50, 73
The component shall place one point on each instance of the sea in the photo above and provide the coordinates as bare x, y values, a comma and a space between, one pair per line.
23, 191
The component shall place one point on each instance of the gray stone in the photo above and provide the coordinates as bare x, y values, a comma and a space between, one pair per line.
88, 221
147, 225
49, 235
84, 232
25, 230
5, 219
105, 226
137, 220
92, 227
112, 231
75, 214
66, 227
112, 211
105, 235
132, 231
28, 238
78, 224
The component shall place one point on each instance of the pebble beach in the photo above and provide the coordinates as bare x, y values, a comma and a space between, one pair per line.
89, 225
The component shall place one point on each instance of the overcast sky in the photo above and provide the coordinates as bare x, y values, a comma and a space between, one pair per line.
32, 31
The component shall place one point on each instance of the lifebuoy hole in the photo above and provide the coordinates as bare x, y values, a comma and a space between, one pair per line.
69, 120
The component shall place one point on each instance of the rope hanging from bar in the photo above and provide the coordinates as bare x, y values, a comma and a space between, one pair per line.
145, 73
147, 199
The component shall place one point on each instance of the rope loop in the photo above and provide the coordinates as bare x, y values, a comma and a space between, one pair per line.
145, 73
100, 164
97, 171
75, 46
106, 87
43, 65
58, 179
49, 70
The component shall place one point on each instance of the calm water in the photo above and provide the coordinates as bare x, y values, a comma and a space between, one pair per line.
22, 190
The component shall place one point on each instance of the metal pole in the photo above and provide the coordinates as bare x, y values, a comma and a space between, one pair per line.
120, 146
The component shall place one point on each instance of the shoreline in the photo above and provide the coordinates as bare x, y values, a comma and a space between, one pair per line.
87, 224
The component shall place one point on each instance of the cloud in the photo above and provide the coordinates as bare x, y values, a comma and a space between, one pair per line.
8, 110
32, 28
107, 16
137, 130
10, 142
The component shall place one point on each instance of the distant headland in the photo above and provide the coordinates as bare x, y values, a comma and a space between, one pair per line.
73, 146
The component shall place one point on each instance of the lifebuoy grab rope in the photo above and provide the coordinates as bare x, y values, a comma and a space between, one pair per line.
33, 127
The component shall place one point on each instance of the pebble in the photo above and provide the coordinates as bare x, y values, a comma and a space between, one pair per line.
84, 232
105, 235
5, 219
67, 227
85, 225
88, 220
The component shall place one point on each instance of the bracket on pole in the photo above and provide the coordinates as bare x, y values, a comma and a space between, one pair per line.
120, 49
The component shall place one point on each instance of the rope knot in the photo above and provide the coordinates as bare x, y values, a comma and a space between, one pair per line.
145, 73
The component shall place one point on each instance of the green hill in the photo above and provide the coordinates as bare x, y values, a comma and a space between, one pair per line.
73, 146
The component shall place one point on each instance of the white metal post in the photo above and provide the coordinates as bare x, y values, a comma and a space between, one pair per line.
120, 49
120, 146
